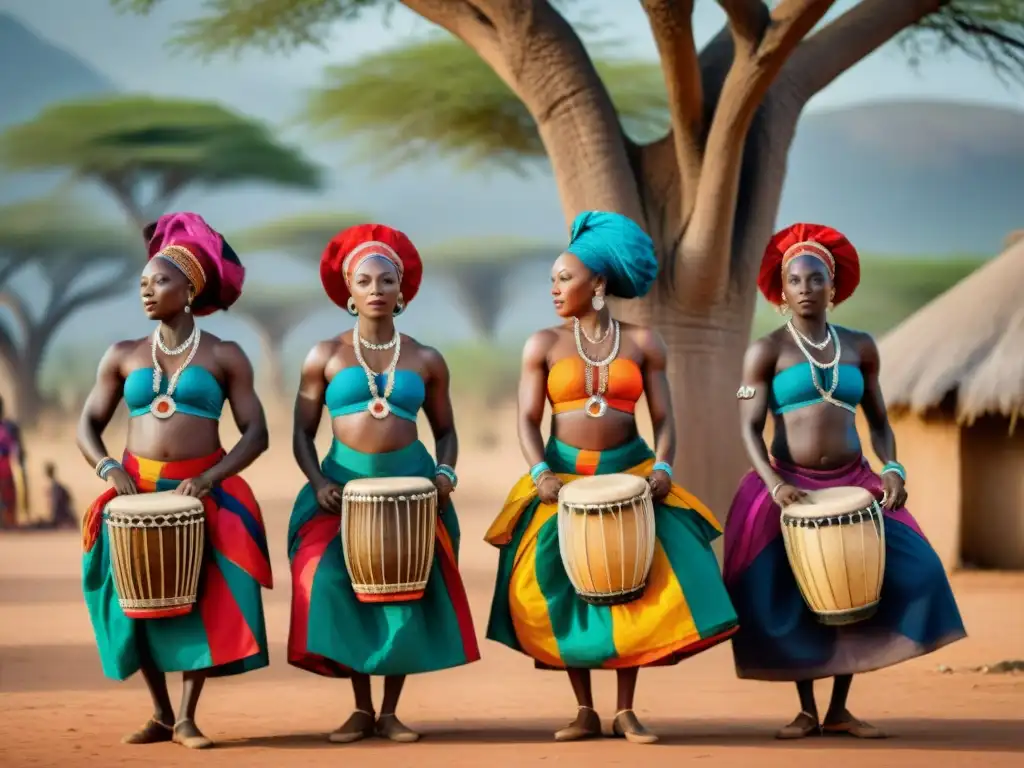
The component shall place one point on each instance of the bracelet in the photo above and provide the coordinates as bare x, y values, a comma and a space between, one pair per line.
776, 489
449, 472
896, 468
539, 469
104, 467
664, 466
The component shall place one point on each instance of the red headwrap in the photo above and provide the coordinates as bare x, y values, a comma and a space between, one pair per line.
824, 243
202, 255
349, 248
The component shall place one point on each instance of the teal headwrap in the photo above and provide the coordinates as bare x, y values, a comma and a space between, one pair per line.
615, 247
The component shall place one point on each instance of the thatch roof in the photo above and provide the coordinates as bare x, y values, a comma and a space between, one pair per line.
967, 344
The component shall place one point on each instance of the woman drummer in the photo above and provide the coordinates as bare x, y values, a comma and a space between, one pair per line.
812, 376
373, 381
175, 384
593, 370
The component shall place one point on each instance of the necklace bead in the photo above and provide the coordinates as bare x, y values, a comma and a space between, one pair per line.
378, 405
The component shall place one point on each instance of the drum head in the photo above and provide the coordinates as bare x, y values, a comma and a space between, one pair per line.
603, 489
388, 486
829, 502
159, 503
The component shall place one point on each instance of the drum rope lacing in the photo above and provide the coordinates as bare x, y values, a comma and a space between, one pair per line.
826, 395
378, 406
596, 399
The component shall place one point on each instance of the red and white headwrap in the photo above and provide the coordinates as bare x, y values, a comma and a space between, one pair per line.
826, 244
352, 247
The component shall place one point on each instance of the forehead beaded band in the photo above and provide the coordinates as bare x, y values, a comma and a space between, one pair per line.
185, 260
810, 248
369, 250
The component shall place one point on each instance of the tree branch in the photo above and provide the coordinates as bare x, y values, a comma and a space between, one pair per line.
703, 277
671, 24
748, 20
856, 34
464, 20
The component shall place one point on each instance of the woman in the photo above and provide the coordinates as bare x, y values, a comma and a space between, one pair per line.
12, 452
373, 382
535, 610
175, 384
813, 375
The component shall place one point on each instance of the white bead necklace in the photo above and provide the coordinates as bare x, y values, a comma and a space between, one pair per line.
379, 347
599, 339
178, 349
596, 405
826, 395
163, 406
378, 405
818, 345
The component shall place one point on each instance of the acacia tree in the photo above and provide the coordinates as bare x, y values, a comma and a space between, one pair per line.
82, 261
708, 191
145, 150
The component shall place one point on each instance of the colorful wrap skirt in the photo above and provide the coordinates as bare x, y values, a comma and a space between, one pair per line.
8, 494
780, 639
334, 634
683, 610
225, 633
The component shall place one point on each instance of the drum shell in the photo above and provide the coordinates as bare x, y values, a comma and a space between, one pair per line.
838, 562
388, 542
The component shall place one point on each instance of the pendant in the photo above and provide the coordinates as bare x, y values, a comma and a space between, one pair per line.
379, 408
596, 407
163, 406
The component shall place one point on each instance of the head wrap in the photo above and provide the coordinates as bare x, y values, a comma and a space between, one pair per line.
827, 245
353, 246
615, 247
202, 255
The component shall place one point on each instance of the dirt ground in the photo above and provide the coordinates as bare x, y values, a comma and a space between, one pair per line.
57, 709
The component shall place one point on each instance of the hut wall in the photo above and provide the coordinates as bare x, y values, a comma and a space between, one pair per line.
993, 480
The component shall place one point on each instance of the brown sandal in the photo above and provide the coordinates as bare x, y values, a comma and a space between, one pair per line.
627, 726
153, 732
391, 728
587, 725
796, 731
854, 727
349, 732
196, 741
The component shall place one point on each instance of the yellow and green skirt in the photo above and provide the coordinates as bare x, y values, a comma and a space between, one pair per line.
684, 609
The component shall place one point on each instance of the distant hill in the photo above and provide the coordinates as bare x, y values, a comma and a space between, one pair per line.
927, 177
38, 73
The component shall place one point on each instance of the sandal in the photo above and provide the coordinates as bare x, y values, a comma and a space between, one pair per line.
395, 729
796, 730
153, 732
195, 741
627, 726
587, 725
349, 731
853, 727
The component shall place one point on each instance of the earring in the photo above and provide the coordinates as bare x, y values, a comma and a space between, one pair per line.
188, 309
352, 307
783, 308
399, 308
597, 302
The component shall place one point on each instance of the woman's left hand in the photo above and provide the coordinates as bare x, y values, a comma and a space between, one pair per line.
895, 495
444, 491
197, 487
661, 484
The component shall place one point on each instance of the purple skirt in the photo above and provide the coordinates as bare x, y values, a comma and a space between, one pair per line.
779, 637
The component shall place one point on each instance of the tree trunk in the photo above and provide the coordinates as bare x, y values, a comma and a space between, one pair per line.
271, 346
28, 399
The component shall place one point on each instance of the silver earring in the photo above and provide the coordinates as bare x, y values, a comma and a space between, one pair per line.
352, 307
597, 302
188, 309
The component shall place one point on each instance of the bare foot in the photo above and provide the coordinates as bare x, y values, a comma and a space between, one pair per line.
846, 724
805, 724
390, 727
153, 732
188, 735
587, 725
359, 726
626, 725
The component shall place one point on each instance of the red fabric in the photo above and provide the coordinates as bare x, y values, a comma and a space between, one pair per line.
847, 263
332, 263
224, 272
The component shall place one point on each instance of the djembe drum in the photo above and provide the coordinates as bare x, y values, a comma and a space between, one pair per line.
388, 526
606, 536
835, 542
157, 543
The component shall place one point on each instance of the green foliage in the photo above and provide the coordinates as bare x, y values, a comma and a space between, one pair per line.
130, 139
303, 237
437, 98
47, 227
891, 289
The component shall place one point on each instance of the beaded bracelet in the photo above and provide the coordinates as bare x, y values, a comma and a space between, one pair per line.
539, 469
105, 466
449, 472
896, 468
664, 466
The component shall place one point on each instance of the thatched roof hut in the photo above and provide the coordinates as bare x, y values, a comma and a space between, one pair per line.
965, 348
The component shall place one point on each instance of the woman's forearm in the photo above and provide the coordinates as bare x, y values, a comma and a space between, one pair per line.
757, 451
665, 441
304, 450
251, 445
447, 447
531, 442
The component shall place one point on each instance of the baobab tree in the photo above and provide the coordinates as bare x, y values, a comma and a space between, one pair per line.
708, 191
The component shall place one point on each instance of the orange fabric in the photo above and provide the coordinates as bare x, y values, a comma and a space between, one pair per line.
567, 385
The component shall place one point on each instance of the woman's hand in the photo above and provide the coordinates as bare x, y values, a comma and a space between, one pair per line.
661, 483
789, 494
444, 491
197, 487
895, 495
122, 482
548, 487
328, 496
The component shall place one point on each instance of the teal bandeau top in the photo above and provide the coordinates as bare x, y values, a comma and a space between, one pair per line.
349, 392
198, 392
793, 387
